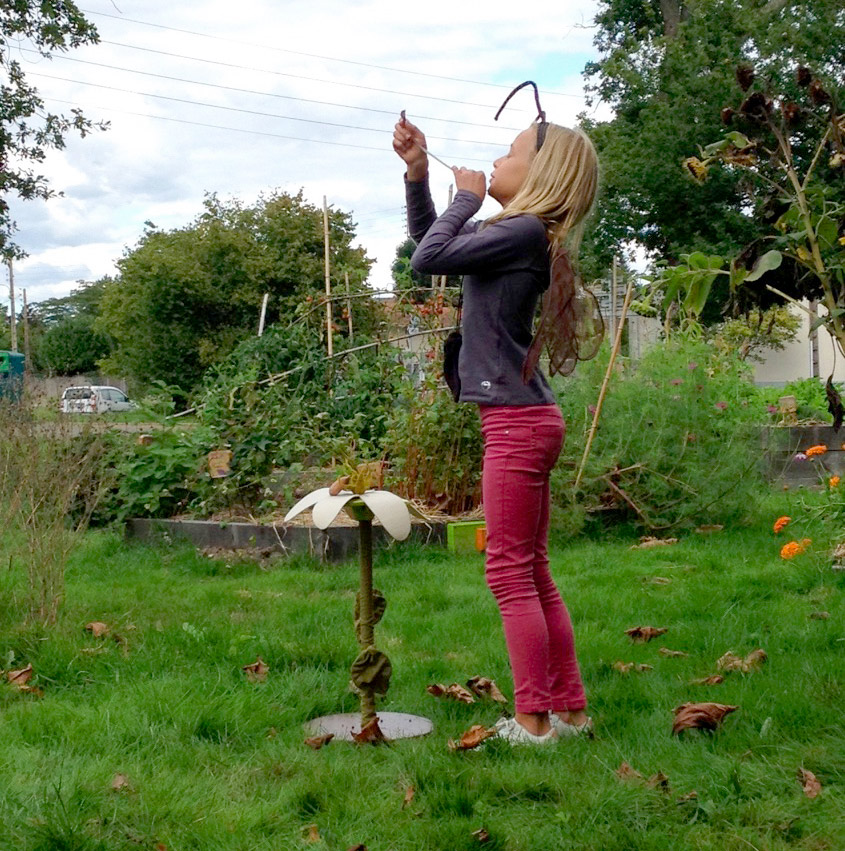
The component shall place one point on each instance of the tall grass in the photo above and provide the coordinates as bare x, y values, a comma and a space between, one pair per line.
213, 761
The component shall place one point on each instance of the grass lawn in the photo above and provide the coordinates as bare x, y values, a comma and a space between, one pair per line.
212, 761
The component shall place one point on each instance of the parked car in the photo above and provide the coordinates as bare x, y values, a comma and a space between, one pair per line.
95, 399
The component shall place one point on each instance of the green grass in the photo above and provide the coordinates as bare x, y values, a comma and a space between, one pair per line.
215, 762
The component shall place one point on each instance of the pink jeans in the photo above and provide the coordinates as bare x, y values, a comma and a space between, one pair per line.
521, 446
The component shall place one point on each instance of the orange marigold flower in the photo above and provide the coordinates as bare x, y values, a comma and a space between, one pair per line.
790, 550
805, 542
833, 481
781, 523
820, 449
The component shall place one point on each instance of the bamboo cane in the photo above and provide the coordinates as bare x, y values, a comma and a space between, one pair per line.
616, 344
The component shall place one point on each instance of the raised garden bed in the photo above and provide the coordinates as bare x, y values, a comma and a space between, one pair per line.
782, 443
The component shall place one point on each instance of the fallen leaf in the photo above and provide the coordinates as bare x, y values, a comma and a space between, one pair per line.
627, 667
370, 734
628, 774
712, 680
819, 616
657, 580
648, 541
453, 692
33, 690
731, 662
810, 784
257, 671
409, 796
472, 738
709, 528
703, 716
481, 835
20, 677
665, 651
690, 796
316, 742
658, 781
98, 629
160, 846
639, 634
485, 687
313, 835
120, 782
358, 847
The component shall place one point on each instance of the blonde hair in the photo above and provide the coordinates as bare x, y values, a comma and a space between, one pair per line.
560, 186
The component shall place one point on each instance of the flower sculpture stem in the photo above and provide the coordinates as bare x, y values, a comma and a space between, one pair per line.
366, 632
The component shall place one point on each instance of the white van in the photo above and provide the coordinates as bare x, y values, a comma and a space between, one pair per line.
95, 399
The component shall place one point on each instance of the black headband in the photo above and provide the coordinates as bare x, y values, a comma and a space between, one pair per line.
542, 124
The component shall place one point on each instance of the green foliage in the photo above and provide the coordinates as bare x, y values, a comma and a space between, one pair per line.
758, 330
809, 396
72, 346
434, 447
27, 130
678, 439
185, 298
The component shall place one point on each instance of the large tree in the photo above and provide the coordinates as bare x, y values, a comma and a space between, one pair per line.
184, 298
667, 68
27, 129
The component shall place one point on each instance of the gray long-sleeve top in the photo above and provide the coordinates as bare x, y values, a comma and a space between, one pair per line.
506, 268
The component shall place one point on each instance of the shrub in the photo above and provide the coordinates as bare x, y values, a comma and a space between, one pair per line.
678, 442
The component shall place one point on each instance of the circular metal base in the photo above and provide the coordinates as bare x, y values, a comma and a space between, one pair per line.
394, 725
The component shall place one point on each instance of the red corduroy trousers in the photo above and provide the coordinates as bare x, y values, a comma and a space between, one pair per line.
521, 446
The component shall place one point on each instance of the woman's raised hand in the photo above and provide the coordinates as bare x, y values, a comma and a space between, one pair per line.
473, 181
407, 139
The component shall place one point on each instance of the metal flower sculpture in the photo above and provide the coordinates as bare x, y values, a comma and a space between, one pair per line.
353, 493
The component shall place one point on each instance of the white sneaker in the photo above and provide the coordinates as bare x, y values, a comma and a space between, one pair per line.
513, 732
566, 730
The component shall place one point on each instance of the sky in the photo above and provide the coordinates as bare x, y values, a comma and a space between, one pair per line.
207, 96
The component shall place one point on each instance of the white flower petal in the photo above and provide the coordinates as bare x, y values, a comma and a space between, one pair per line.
391, 511
328, 508
306, 502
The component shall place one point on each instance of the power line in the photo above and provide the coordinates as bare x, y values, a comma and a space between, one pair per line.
245, 111
108, 109
391, 112
295, 76
314, 55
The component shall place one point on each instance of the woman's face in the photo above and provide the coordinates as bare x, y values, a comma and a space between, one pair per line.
510, 171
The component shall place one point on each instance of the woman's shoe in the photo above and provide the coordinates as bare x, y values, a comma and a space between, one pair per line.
566, 730
514, 733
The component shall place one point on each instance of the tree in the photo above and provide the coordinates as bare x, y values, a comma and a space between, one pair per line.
183, 299
27, 130
666, 68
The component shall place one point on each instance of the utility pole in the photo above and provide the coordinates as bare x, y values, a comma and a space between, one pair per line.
13, 318
27, 360
330, 342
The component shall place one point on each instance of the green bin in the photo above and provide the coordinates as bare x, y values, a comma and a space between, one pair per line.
11, 375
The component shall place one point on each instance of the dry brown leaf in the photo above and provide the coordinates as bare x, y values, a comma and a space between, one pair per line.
120, 782
485, 687
709, 528
752, 662
257, 671
648, 541
160, 846
409, 796
703, 716
33, 690
712, 680
665, 651
370, 734
810, 784
628, 774
627, 667
316, 742
640, 634
657, 580
658, 781
472, 738
312, 834
358, 847
20, 677
819, 616
337, 486
98, 629
690, 796
481, 835
453, 692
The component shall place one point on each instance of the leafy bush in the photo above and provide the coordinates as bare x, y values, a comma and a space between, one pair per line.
678, 442
809, 396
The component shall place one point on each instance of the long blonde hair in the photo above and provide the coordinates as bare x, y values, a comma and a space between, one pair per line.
560, 186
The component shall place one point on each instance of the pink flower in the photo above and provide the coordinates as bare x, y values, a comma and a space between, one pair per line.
592, 410
692, 366
772, 409
721, 405
799, 456
676, 381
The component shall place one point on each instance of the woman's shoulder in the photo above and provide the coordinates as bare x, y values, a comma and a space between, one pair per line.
523, 225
